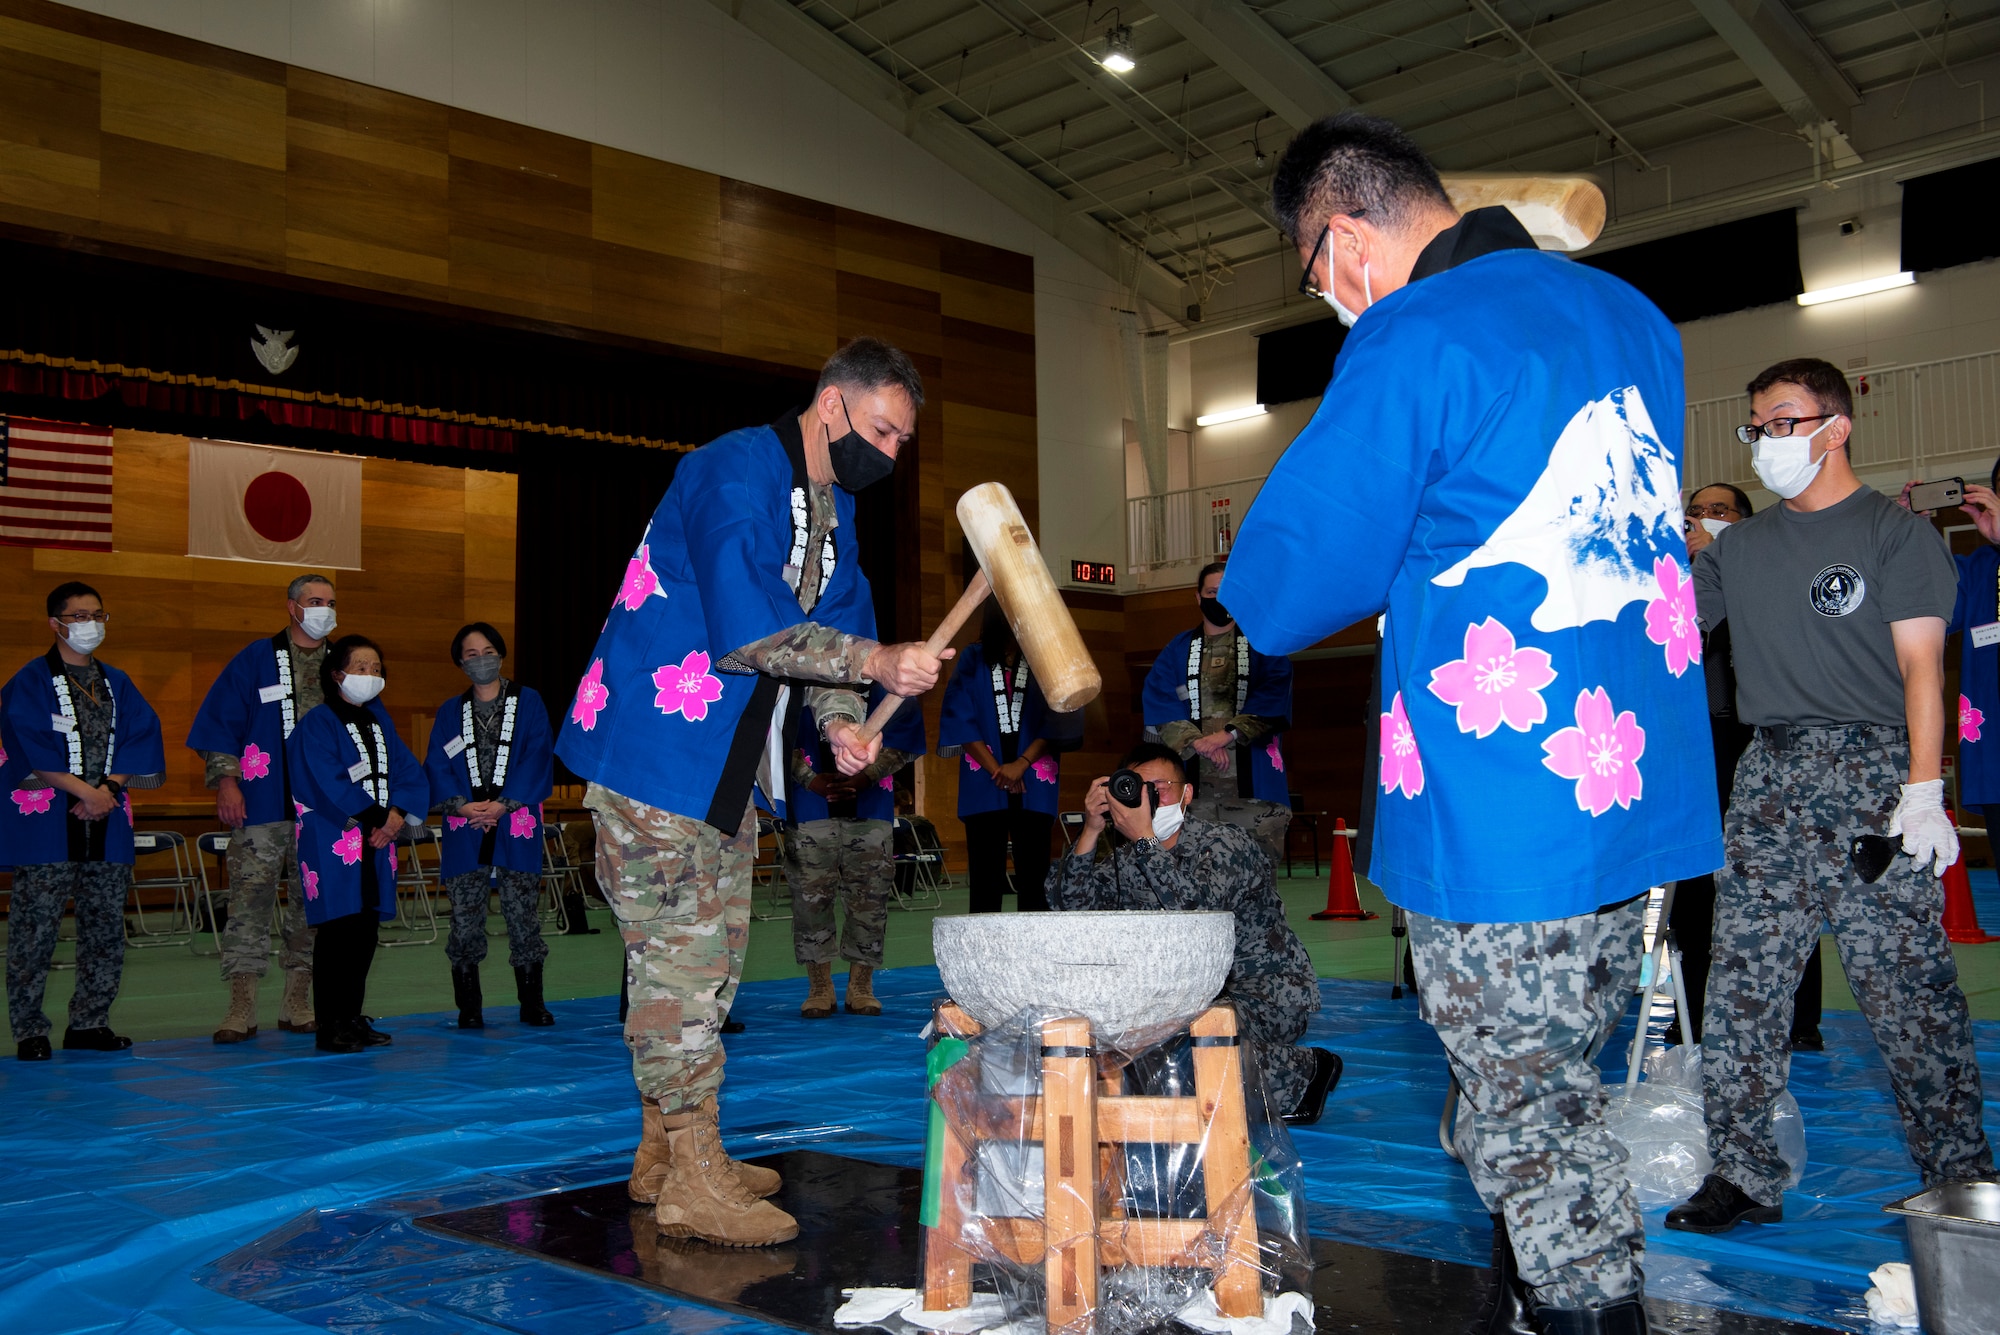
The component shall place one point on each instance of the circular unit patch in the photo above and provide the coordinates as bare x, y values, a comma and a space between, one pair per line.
277, 506
1838, 590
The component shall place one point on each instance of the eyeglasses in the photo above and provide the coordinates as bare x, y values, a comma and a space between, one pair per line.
78, 618
1719, 510
1777, 428
1167, 790
1308, 286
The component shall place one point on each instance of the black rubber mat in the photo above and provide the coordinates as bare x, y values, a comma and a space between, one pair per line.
858, 1228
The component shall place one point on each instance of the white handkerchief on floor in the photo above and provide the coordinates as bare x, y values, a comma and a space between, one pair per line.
986, 1311
866, 1307
1893, 1300
1279, 1315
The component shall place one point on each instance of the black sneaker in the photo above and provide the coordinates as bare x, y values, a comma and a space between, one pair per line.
94, 1040
1326, 1074
1809, 1041
1719, 1206
34, 1049
365, 1030
339, 1037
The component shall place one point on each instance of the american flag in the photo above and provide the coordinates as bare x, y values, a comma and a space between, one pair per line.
55, 484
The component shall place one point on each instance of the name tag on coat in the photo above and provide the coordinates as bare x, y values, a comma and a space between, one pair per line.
62, 724
357, 771
267, 694
454, 747
1986, 636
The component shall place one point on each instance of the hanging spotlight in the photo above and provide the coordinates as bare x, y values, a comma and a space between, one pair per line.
1118, 51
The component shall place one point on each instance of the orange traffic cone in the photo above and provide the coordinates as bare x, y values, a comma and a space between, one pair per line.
1342, 901
1961, 920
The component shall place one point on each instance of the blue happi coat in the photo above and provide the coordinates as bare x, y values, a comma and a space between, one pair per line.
34, 820
1259, 767
904, 732
516, 842
329, 794
248, 713
1978, 679
973, 712
1497, 463
659, 717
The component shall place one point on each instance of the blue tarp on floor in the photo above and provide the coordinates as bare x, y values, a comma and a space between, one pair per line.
262, 1188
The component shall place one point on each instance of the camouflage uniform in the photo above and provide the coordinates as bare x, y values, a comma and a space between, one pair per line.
1523, 1009
1802, 796
847, 858
259, 855
681, 888
1215, 788
520, 893
99, 889
1218, 867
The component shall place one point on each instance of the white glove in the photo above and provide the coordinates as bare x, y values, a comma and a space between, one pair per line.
1927, 832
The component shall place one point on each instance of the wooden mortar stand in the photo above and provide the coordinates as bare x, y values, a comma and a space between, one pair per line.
1082, 1228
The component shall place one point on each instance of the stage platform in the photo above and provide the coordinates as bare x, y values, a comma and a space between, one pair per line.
187, 1187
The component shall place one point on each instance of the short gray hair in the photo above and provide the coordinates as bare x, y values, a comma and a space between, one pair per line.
1353, 164
292, 590
867, 363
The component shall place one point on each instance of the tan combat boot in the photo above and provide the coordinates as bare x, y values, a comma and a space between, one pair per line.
649, 1165
241, 1021
820, 1001
861, 990
702, 1197
297, 1015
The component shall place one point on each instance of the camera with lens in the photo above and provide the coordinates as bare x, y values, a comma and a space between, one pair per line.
1129, 790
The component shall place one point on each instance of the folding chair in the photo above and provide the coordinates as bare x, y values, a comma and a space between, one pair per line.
931, 878
216, 845
1072, 826
180, 885
916, 869
769, 876
413, 883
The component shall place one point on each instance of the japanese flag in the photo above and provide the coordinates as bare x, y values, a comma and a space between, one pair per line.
261, 503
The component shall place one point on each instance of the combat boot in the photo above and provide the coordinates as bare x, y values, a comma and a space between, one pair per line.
757, 1181
241, 1020
297, 1015
820, 1001
528, 985
701, 1197
649, 1165
465, 994
861, 990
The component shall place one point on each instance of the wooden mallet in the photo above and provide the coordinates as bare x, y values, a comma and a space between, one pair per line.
1560, 212
1011, 568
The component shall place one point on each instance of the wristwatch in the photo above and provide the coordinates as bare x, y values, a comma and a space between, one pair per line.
115, 788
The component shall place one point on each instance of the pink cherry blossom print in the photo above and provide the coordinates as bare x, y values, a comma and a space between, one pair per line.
127, 804
591, 696
1402, 767
970, 763
3, 755
1670, 618
1275, 756
348, 846
311, 878
688, 689
888, 783
299, 808
1970, 716
522, 823
392, 859
1045, 769
256, 762
1601, 753
640, 582
1496, 682
33, 801
456, 822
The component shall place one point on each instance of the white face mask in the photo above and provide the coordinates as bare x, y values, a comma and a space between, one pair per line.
1166, 821
359, 690
1786, 465
1714, 526
317, 622
85, 638
1341, 312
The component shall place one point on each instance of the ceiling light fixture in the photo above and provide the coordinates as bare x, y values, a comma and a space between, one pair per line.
1860, 289
1230, 415
1118, 51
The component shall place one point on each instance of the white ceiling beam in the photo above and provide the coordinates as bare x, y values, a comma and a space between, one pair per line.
1257, 56
865, 83
1793, 68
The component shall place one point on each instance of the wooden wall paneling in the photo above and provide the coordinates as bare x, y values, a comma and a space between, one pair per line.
657, 266
520, 219
491, 501
778, 286
214, 112
49, 98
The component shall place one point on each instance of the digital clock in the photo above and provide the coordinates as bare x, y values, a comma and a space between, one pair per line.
1092, 572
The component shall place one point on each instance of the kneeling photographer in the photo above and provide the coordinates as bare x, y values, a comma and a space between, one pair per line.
1172, 862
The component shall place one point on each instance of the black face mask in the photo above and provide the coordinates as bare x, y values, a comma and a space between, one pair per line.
1217, 614
856, 463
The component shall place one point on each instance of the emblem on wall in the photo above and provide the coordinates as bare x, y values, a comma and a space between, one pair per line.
272, 352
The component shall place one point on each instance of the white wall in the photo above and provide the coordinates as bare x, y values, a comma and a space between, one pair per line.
681, 81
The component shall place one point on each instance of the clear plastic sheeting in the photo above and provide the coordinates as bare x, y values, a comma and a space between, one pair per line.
1661, 1124
1110, 1183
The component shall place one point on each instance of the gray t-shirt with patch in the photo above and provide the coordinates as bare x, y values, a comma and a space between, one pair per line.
1809, 598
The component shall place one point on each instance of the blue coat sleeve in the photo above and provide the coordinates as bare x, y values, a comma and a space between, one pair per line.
1328, 531
531, 770
1960, 609
441, 775
142, 751
30, 705
964, 701
320, 746
1270, 688
223, 723
743, 594
906, 727
1161, 700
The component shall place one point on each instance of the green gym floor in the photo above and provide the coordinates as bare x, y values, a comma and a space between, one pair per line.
171, 993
